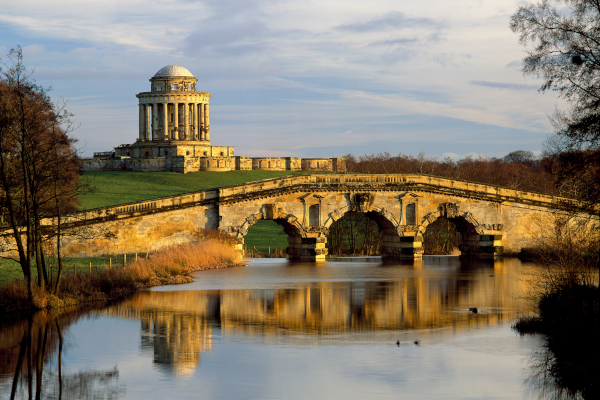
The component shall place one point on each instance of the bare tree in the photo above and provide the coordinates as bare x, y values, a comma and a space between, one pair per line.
562, 38
39, 168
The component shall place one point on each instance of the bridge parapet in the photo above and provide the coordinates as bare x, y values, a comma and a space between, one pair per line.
490, 218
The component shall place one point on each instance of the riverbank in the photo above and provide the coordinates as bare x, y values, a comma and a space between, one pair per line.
168, 266
569, 318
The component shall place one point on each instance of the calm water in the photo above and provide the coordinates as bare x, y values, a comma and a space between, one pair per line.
279, 330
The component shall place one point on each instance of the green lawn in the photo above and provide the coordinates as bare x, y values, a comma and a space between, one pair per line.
11, 270
118, 187
265, 234
123, 187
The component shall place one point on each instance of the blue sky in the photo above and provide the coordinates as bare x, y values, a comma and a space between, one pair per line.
294, 78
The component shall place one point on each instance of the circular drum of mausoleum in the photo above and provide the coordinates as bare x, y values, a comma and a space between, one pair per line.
174, 110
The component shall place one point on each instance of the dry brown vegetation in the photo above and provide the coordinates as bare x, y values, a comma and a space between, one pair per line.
170, 265
567, 248
566, 296
518, 170
277, 252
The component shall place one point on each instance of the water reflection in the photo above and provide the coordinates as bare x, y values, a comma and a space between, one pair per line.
344, 303
565, 371
31, 363
177, 326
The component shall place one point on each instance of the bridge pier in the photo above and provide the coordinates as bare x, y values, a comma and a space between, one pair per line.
395, 246
307, 248
482, 246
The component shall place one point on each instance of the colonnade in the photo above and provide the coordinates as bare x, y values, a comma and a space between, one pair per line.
163, 121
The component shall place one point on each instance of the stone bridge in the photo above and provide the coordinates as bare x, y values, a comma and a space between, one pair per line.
491, 219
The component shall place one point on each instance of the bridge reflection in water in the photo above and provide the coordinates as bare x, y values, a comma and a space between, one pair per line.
403, 302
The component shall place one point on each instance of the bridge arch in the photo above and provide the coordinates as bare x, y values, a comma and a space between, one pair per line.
304, 242
386, 222
473, 241
290, 223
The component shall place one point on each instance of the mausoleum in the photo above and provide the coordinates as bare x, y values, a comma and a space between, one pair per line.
174, 135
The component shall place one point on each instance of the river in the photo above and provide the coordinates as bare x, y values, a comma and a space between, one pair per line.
349, 328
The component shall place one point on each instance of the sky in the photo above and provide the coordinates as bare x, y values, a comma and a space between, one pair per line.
294, 78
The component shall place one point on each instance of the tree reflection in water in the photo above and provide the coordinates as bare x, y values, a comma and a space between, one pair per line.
31, 353
178, 326
566, 372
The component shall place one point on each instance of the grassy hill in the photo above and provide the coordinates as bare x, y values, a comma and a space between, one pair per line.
118, 187
124, 187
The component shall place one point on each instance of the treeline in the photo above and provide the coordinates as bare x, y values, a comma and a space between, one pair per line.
552, 173
520, 170
356, 234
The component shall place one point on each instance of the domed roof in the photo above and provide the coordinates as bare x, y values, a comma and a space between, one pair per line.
172, 70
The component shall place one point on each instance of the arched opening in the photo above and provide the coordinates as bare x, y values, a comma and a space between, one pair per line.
278, 237
455, 233
266, 238
441, 237
357, 233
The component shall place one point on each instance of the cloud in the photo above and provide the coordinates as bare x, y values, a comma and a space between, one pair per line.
286, 70
227, 8
398, 55
502, 85
242, 33
392, 20
402, 41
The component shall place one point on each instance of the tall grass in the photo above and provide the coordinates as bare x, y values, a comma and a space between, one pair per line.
159, 267
270, 253
568, 249
170, 265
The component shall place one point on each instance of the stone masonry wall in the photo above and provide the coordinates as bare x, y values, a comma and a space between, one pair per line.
491, 219
212, 161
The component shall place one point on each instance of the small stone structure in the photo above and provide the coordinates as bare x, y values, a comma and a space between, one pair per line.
174, 135
490, 219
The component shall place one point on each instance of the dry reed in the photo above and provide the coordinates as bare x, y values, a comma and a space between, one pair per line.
170, 265
184, 259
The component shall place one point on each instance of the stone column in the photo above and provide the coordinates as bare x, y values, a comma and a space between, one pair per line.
201, 121
207, 124
141, 121
195, 133
154, 121
191, 121
165, 121
186, 120
175, 121
148, 130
